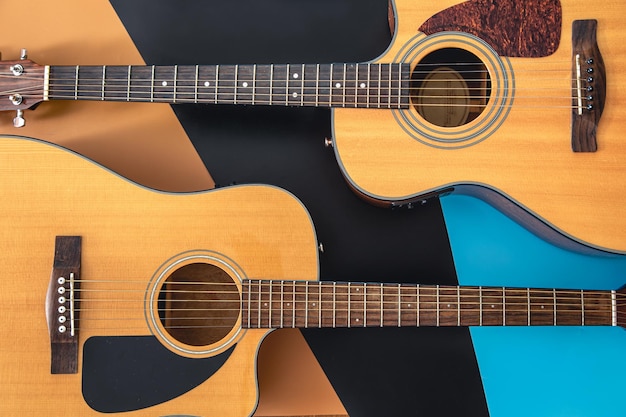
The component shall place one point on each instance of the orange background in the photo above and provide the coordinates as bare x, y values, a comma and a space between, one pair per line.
145, 143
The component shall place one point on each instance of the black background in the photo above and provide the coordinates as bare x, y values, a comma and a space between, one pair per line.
391, 371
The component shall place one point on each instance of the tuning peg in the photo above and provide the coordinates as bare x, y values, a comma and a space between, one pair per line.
18, 120
23, 53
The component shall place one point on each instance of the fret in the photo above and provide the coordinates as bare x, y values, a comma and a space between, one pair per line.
458, 306
399, 307
528, 304
128, 84
613, 309
249, 303
554, 306
417, 302
236, 84
390, 87
282, 303
380, 79
287, 86
334, 304
480, 303
216, 83
382, 309
437, 306
152, 85
356, 86
320, 307
104, 71
302, 75
175, 80
306, 304
503, 306
76, 84
271, 307
345, 90
259, 302
253, 84
317, 84
293, 304
349, 305
271, 92
582, 308
364, 304
196, 80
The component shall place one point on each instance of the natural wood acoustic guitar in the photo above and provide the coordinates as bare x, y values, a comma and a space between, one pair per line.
87, 253
519, 103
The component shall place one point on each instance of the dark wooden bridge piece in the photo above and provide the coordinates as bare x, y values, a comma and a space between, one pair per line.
62, 305
588, 86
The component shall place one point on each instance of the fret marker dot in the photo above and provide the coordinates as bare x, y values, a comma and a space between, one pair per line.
362, 85
313, 304
338, 85
541, 306
164, 83
295, 75
357, 290
206, 83
357, 320
295, 95
288, 304
492, 306
409, 305
449, 306
244, 85
264, 304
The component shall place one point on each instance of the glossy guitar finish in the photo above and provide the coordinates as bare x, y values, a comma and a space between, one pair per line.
521, 149
128, 232
513, 124
134, 244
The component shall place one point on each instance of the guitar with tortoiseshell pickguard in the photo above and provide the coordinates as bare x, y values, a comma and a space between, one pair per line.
518, 103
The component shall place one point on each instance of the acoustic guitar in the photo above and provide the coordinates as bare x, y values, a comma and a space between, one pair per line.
510, 101
206, 274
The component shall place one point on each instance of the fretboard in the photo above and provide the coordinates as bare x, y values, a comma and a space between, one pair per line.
319, 85
278, 304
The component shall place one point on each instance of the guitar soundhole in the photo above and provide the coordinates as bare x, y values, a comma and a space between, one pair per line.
450, 87
199, 304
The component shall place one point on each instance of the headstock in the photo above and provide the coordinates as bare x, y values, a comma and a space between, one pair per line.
22, 86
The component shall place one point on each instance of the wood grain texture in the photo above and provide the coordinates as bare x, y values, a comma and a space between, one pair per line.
528, 157
127, 232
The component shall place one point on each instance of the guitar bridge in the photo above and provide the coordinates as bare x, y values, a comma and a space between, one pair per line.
589, 86
62, 305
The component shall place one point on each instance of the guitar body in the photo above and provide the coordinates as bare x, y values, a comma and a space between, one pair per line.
129, 233
519, 148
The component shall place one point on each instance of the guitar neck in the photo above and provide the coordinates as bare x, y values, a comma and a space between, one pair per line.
302, 304
319, 85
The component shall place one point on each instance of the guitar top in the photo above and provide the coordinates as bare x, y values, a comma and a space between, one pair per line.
128, 234
468, 98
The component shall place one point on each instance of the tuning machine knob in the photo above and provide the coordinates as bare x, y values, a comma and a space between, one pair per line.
18, 120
